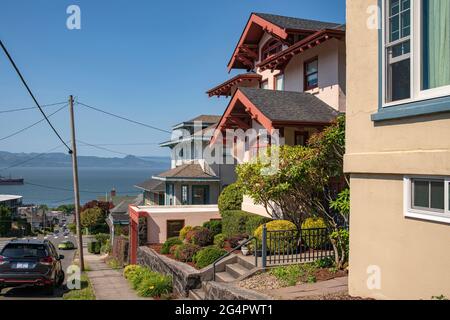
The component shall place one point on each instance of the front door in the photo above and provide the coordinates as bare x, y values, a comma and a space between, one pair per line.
200, 195
174, 227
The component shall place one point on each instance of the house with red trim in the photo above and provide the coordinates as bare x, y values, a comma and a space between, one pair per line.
294, 82
188, 193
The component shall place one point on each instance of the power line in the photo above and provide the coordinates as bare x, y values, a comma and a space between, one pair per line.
70, 190
31, 108
123, 118
102, 148
32, 125
32, 95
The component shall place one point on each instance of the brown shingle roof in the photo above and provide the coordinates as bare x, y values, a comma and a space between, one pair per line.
297, 23
188, 171
152, 185
207, 118
290, 106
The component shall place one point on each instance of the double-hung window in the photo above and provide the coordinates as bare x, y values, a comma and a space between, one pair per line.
416, 45
427, 198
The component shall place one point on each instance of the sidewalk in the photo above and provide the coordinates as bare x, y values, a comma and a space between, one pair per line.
108, 284
324, 288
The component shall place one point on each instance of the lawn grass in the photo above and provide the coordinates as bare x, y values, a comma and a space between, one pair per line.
85, 293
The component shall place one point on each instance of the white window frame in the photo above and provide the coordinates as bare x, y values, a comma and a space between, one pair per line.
417, 94
422, 214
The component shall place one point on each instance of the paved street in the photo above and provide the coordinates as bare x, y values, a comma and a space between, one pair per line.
36, 293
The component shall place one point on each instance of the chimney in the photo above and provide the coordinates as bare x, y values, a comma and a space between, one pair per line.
113, 193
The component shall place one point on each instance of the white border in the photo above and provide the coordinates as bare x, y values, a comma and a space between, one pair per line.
409, 212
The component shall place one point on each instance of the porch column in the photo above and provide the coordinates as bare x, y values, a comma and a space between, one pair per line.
134, 235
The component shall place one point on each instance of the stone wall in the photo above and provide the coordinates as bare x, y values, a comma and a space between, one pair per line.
185, 277
227, 291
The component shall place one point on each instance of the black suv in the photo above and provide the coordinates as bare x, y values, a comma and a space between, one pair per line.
31, 263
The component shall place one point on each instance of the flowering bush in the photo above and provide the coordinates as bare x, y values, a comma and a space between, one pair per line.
186, 252
200, 236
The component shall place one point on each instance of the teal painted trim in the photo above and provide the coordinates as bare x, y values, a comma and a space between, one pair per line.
380, 55
425, 107
419, 108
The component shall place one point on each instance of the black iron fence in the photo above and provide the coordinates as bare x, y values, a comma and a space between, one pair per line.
292, 246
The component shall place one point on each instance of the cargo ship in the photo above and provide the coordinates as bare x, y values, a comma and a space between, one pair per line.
10, 181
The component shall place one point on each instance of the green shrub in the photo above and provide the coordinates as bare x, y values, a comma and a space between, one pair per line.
312, 238
219, 240
230, 198
155, 285
130, 270
291, 275
97, 247
102, 238
287, 243
215, 226
170, 243
344, 235
138, 276
324, 263
106, 247
208, 256
186, 252
253, 222
241, 222
184, 231
94, 247
200, 236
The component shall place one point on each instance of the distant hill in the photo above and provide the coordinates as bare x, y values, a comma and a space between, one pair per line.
65, 160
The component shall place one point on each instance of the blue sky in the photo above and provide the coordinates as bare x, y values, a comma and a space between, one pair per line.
147, 60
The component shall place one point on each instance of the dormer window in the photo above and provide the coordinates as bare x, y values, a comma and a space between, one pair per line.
270, 48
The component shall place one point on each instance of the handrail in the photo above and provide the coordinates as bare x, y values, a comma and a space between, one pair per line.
235, 249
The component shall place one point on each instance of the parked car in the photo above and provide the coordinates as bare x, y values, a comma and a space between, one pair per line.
66, 245
31, 263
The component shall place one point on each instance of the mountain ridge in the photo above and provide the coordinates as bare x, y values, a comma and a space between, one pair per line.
59, 159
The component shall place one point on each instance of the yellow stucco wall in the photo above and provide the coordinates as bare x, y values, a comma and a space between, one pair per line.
411, 255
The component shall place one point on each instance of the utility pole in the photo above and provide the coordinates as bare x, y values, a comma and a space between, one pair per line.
75, 186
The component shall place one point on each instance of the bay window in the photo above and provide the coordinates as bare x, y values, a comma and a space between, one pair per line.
427, 198
416, 42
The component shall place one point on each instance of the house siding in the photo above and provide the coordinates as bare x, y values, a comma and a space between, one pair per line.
409, 254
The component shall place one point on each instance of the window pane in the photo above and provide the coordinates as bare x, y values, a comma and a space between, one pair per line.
436, 44
399, 84
421, 192
394, 27
280, 82
401, 49
394, 8
311, 67
312, 80
437, 195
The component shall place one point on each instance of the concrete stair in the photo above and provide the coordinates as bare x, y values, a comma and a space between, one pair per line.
230, 272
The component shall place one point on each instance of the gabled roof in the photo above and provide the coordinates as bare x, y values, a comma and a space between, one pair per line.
206, 119
190, 171
152, 185
291, 23
290, 106
225, 88
272, 108
122, 207
280, 27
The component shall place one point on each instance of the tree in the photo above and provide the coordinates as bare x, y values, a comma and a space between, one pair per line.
306, 183
92, 217
66, 208
5, 221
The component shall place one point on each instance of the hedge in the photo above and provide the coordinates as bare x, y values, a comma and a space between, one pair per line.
311, 237
208, 256
231, 198
286, 243
241, 222
215, 226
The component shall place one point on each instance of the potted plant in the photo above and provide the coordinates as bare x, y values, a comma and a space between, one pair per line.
245, 251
